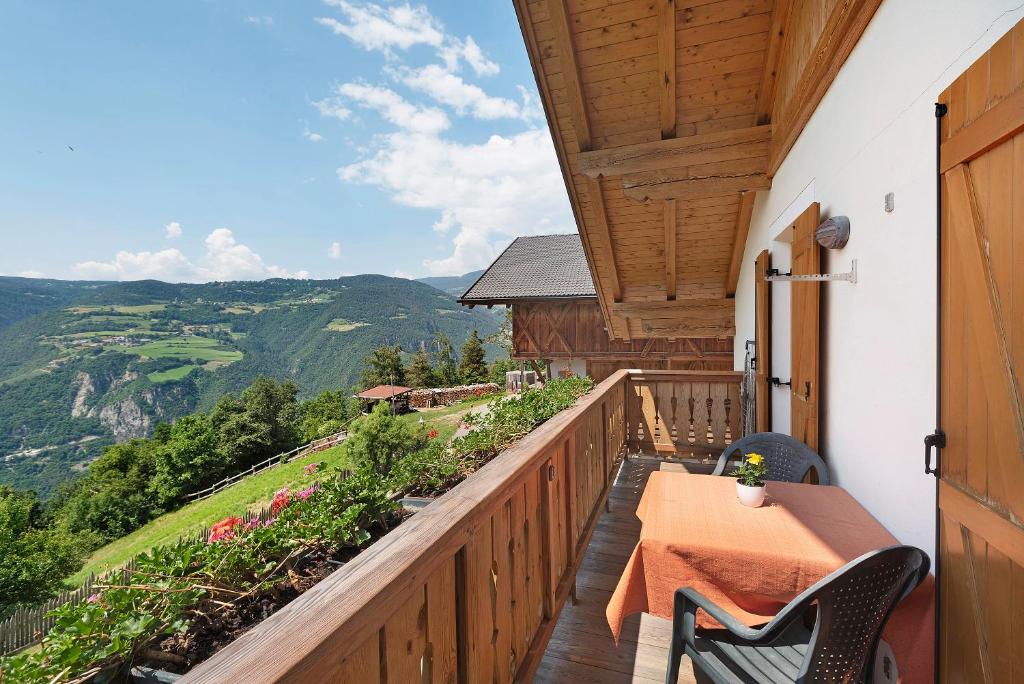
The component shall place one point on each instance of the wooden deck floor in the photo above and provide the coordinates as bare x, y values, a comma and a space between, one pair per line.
581, 648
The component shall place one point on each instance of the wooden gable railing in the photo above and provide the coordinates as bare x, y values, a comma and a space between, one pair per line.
469, 589
683, 413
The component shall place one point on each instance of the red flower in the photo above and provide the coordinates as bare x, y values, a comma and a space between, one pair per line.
432, 434
479, 391
225, 529
281, 499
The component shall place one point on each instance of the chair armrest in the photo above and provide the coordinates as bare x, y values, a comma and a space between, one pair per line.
688, 600
723, 462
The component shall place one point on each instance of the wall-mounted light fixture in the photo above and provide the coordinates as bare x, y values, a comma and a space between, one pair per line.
833, 233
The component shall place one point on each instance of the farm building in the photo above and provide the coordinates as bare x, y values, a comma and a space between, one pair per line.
556, 316
394, 395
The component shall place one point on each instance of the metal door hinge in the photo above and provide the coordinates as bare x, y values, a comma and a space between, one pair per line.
936, 440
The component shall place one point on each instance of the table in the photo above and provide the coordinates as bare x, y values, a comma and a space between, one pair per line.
753, 561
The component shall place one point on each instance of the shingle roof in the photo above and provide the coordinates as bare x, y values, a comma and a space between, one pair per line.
384, 392
535, 267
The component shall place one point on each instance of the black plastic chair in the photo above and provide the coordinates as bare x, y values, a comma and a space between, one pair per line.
853, 605
788, 459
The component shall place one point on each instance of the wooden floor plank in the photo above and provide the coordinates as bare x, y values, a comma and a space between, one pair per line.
581, 648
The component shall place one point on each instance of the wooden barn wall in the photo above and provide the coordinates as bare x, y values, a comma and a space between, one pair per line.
576, 330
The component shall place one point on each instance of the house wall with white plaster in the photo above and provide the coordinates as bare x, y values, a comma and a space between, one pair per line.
874, 133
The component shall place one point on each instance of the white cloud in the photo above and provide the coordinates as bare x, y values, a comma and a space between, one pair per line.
468, 50
465, 98
311, 136
224, 259
484, 193
395, 108
489, 192
332, 107
334, 251
384, 28
264, 20
172, 230
399, 273
167, 264
375, 27
30, 274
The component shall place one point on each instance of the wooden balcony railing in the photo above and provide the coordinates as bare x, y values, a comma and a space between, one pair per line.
685, 413
469, 589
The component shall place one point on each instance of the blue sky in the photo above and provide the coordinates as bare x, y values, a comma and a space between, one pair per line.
220, 139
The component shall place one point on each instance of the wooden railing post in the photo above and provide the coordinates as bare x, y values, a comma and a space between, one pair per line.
547, 522
571, 506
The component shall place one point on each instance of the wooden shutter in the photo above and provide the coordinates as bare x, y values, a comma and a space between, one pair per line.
806, 308
981, 492
763, 341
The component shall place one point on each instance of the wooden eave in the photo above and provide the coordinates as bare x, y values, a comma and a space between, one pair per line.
668, 116
509, 301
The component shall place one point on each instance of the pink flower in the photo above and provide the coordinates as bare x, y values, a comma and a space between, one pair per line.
307, 492
269, 522
94, 598
310, 469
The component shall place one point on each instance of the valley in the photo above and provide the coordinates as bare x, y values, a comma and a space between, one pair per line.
84, 365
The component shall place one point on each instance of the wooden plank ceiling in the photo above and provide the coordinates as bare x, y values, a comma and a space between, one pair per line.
668, 115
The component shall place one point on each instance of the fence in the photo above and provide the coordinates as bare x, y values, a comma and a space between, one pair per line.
27, 625
298, 452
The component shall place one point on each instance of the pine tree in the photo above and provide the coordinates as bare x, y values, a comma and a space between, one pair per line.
384, 367
420, 373
445, 368
473, 367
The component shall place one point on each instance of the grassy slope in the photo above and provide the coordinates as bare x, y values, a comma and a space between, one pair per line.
251, 492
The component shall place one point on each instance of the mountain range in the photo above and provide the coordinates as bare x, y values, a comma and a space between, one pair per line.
84, 364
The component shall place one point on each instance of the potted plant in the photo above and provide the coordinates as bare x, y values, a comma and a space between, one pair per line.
750, 480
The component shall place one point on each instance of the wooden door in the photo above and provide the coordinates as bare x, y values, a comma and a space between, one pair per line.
981, 488
762, 342
805, 319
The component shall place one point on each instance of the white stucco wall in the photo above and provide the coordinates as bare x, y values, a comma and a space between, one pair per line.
873, 133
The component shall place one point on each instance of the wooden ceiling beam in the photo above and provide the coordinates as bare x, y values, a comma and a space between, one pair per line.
776, 40
667, 66
601, 219
682, 318
670, 249
743, 215
674, 153
698, 187
559, 17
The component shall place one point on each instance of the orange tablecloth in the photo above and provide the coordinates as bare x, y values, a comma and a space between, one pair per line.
753, 561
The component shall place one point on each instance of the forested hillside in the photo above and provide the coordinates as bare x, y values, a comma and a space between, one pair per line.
85, 364
453, 285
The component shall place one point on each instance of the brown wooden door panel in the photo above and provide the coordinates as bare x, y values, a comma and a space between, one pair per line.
805, 336
763, 342
981, 493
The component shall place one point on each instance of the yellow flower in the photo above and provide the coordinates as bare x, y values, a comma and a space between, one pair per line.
755, 458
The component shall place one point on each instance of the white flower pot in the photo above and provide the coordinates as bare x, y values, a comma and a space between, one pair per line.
750, 496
